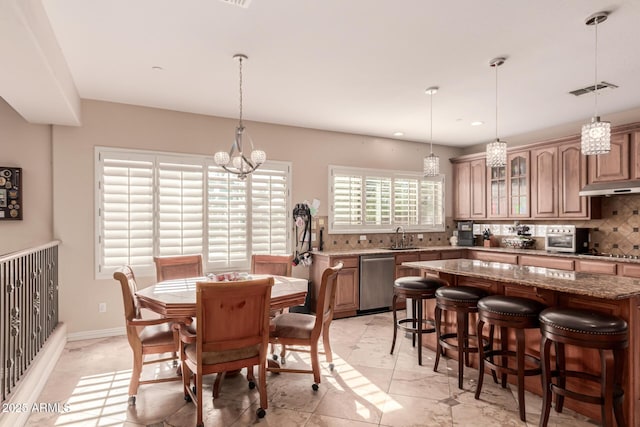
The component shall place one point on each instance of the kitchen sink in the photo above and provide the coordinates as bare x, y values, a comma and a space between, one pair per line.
403, 248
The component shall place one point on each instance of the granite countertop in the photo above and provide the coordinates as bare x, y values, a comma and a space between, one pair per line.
577, 283
536, 252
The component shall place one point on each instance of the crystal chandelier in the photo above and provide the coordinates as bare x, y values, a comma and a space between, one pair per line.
596, 135
235, 161
431, 165
496, 150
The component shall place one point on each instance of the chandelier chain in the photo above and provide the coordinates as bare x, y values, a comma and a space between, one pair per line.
496, 67
431, 122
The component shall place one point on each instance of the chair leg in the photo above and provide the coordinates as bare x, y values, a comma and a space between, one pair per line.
562, 378
419, 323
395, 323
481, 358
262, 385
315, 364
607, 386
217, 384
545, 356
198, 382
462, 352
504, 346
438, 321
618, 409
326, 343
135, 376
520, 342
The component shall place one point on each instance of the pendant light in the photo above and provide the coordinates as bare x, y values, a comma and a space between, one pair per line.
496, 150
431, 163
235, 161
596, 135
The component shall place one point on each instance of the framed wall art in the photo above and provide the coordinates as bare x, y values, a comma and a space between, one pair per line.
10, 193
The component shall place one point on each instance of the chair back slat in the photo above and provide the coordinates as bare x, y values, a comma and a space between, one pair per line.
233, 315
128, 286
178, 267
278, 265
326, 296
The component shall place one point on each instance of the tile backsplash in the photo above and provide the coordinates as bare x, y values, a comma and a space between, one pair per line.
618, 231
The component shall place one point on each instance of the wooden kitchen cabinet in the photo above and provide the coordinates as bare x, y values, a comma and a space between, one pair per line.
347, 286
615, 165
635, 155
494, 257
518, 184
599, 267
497, 192
546, 262
469, 187
404, 271
544, 182
572, 177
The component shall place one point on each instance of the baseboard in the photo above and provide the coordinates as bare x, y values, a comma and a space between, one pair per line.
99, 333
30, 386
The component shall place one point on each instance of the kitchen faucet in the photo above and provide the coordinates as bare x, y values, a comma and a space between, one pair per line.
398, 229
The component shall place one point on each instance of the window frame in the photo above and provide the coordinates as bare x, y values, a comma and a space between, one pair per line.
207, 163
382, 174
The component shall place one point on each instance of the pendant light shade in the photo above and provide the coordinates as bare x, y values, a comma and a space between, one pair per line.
431, 163
496, 150
596, 135
235, 161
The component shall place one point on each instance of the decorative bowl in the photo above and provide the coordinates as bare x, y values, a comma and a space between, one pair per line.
518, 242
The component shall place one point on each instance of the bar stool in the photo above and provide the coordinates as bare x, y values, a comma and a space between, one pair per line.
508, 312
462, 300
606, 333
418, 289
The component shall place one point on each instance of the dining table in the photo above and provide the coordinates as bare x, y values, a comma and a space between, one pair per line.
177, 297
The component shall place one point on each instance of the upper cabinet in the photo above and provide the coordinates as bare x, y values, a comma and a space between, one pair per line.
613, 166
558, 173
469, 187
635, 155
508, 188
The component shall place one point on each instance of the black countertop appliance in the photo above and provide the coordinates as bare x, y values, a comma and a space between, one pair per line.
465, 233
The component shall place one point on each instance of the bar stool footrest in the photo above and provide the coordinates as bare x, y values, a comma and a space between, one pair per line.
587, 398
470, 348
430, 323
511, 371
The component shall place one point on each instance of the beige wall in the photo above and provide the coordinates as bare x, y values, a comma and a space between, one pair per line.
107, 124
27, 146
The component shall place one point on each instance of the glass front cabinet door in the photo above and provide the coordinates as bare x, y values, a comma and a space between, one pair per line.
518, 177
509, 188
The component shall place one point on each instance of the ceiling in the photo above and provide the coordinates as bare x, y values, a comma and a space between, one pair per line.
356, 66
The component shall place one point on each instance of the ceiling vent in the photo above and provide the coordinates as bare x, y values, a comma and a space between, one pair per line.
592, 88
240, 3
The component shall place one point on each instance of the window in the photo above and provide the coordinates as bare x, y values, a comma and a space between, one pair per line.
366, 200
150, 204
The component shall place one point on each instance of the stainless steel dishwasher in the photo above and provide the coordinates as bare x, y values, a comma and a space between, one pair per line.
377, 273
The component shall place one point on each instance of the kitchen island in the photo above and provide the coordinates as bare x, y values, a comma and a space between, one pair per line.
619, 296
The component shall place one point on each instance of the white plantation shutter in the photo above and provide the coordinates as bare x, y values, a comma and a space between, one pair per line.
228, 220
431, 201
150, 204
405, 196
125, 214
387, 198
180, 208
270, 209
347, 200
378, 201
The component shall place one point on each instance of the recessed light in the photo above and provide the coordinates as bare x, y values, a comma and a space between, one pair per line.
398, 134
157, 68
477, 123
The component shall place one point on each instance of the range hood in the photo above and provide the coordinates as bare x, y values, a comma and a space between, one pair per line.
611, 188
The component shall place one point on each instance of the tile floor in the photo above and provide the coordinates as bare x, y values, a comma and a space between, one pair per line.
368, 387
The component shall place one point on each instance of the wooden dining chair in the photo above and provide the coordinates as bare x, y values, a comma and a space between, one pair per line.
178, 267
278, 265
232, 333
146, 336
297, 331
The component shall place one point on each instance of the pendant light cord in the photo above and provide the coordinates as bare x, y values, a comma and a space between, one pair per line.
596, 70
431, 121
496, 67
240, 60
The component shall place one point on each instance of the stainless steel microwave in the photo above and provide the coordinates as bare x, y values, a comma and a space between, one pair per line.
567, 238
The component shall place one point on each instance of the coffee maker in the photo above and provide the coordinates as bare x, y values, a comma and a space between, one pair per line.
465, 233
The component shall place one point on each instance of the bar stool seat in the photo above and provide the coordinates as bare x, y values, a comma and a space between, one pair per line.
462, 300
508, 312
417, 289
608, 334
